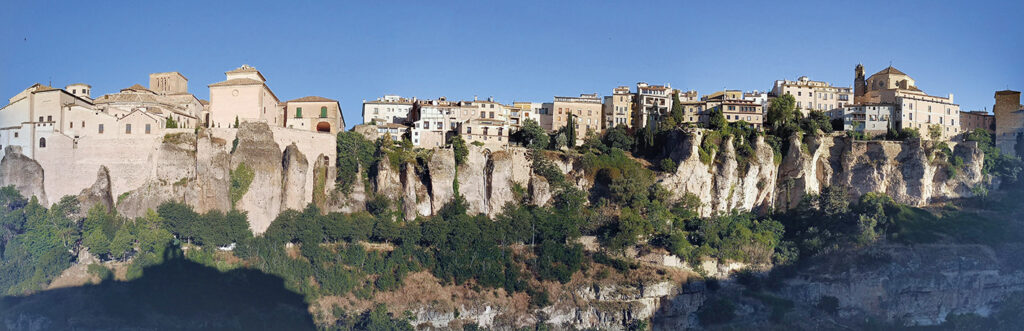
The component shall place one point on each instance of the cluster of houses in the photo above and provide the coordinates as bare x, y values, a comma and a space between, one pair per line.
36, 114
887, 100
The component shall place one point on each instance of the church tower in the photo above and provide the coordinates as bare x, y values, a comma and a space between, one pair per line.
859, 85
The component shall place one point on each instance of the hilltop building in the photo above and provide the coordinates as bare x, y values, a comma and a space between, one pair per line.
244, 96
387, 109
652, 103
913, 107
734, 107
315, 114
618, 108
978, 119
1009, 117
813, 95
586, 111
870, 119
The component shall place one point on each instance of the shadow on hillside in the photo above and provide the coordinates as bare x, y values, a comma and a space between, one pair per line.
178, 294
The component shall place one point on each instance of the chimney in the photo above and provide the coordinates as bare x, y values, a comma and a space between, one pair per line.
474, 97
951, 98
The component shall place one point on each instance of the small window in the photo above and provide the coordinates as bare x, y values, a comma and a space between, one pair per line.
128, 129
71, 124
323, 112
42, 142
40, 118
49, 118
83, 124
147, 128
101, 128
15, 134
298, 112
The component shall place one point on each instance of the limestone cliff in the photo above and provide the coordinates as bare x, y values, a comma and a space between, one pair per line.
294, 166
98, 193
258, 151
24, 173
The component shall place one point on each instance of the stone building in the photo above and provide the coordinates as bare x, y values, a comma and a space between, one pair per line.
1009, 116
167, 97
387, 109
586, 111
244, 96
314, 113
978, 119
652, 102
870, 119
813, 95
733, 107
618, 108
492, 134
914, 108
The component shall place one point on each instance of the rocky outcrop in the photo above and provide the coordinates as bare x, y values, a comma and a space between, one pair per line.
258, 152
173, 180
98, 193
500, 167
903, 170
473, 184
213, 174
22, 172
415, 199
352, 202
441, 169
293, 172
389, 181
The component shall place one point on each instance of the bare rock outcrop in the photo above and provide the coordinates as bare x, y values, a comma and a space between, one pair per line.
22, 172
389, 180
415, 199
500, 167
259, 153
213, 174
354, 200
293, 182
98, 193
173, 179
441, 170
473, 181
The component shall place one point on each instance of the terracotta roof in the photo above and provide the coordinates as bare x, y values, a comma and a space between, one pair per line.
238, 81
312, 99
890, 70
204, 102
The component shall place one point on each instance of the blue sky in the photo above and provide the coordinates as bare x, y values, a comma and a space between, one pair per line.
514, 51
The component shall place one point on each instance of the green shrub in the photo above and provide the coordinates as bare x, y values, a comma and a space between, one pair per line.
716, 311
241, 178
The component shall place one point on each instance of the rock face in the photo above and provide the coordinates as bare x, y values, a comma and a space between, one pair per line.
172, 181
98, 193
352, 202
293, 172
213, 174
441, 169
258, 151
500, 182
473, 181
903, 170
22, 172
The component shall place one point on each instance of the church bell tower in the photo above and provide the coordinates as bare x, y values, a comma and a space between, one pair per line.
859, 85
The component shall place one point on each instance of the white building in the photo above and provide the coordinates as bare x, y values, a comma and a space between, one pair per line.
387, 109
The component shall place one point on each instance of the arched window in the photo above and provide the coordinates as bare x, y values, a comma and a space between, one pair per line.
42, 142
323, 112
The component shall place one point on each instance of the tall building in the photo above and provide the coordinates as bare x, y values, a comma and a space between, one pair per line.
978, 119
914, 108
652, 102
585, 109
813, 95
618, 108
1009, 116
387, 109
244, 96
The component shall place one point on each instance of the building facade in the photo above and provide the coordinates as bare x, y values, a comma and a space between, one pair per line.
314, 113
652, 102
618, 108
978, 119
813, 95
387, 109
1009, 116
244, 97
914, 108
586, 111
734, 108
870, 119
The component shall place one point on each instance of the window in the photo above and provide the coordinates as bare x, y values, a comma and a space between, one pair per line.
100, 128
83, 124
42, 142
40, 118
147, 128
128, 129
298, 112
483, 114
15, 134
492, 114
72, 124
469, 130
323, 112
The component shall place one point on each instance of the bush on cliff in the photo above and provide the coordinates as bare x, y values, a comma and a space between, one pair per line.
355, 153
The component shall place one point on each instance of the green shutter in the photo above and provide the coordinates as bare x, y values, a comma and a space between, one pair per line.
298, 112
323, 112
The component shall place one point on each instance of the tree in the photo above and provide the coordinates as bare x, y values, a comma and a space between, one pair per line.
619, 137
677, 108
716, 120
171, 124
570, 131
531, 135
236, 122
935, 132
459, 149
781, 110
357, 154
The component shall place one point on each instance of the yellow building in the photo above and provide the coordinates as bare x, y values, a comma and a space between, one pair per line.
1009, 115
618, 108
314, 114
586, 109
